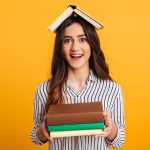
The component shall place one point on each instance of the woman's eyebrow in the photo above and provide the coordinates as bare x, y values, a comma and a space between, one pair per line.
80, 35
67, 36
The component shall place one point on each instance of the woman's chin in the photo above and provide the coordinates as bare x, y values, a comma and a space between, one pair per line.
78, 66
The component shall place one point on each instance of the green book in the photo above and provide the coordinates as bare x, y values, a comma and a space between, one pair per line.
83, 126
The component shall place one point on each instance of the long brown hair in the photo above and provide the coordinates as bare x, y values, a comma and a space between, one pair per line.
59, 66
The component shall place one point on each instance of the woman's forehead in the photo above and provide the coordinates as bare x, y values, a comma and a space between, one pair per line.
74, 29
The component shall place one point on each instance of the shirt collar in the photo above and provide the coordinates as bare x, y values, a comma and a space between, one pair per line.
92, 77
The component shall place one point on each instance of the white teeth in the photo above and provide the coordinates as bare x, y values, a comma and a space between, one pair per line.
76, 55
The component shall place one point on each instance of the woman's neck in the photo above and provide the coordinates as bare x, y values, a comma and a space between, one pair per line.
77, 78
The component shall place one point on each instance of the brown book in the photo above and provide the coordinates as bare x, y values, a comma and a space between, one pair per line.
75, 113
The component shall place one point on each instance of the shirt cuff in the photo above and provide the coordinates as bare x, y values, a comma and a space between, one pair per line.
115, 140
34, 138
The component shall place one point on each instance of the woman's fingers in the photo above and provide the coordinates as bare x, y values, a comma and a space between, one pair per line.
108, 121
43, 133
104, 134
108, 129
48, 137
46, 133
108, 125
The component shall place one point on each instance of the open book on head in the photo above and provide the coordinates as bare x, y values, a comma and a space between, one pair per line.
71, 9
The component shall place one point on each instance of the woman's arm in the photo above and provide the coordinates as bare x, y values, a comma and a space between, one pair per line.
114, 123
118, 122
39, 134
39, 112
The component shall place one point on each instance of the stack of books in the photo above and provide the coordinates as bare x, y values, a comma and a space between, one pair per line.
64, 120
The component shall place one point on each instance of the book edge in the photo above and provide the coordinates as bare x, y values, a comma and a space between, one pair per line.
57, 22
67, 12
88, 18
76, 133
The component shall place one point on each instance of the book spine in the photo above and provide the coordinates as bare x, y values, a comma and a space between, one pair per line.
76, 133
74, 118
67, 127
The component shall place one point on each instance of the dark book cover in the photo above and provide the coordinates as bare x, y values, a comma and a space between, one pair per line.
75, 113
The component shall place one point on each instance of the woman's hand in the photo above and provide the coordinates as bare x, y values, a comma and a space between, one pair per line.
42, 132
110, 129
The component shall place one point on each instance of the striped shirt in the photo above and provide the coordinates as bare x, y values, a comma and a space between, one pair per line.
106, 91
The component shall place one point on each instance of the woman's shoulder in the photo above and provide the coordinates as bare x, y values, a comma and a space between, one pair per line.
113, 83
115, 86
43, 87
105, 82
41, 93
110, 84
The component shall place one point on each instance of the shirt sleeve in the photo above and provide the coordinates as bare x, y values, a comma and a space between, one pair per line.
39, 112
117, 115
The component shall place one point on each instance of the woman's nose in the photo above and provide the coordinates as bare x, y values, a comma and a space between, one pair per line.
75, 46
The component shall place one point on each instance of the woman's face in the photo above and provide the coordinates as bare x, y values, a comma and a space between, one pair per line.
76, 49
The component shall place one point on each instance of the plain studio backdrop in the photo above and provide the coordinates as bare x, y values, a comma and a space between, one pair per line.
26, 49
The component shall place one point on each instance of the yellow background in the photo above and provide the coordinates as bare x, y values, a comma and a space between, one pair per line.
26, 51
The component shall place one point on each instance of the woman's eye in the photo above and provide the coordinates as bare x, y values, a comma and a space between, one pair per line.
83, 39
67, 40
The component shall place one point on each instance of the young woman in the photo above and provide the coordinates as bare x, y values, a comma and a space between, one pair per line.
79, 75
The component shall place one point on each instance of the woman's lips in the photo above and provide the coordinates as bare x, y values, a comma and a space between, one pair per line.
76, 56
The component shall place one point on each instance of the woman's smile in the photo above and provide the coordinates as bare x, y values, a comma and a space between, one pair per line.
76, 56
